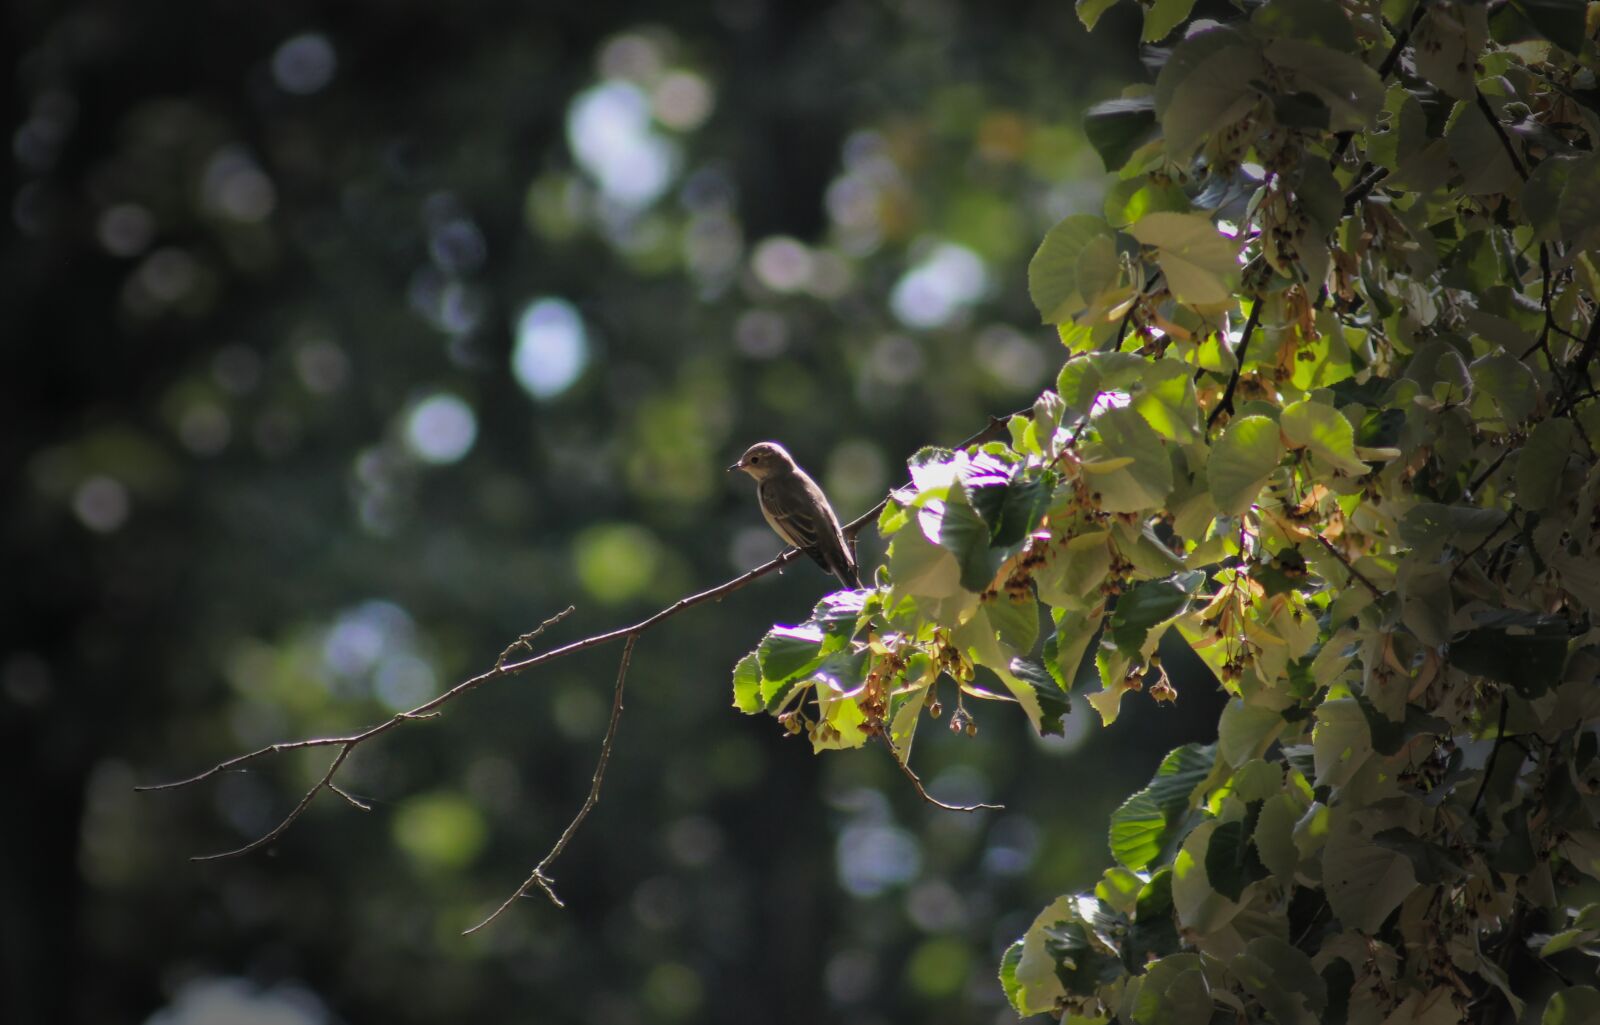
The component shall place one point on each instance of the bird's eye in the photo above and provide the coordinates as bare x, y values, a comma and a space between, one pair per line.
755, 459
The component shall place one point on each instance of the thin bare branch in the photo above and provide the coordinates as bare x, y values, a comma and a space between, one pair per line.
289, 819
538, 877
916, 781
503, 668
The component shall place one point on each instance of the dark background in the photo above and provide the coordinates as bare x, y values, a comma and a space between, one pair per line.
270, 473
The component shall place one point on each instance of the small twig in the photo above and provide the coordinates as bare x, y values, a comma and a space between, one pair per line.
1355, 573
1494, 752
1226, 402
538, 877
525, 642
1363, 188
905, 767
354, 801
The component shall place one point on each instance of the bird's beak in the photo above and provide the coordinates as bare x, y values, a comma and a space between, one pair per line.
735, 466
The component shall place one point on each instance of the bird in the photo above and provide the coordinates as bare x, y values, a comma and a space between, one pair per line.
797, 510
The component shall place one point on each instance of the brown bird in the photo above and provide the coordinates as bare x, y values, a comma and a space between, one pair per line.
797, 510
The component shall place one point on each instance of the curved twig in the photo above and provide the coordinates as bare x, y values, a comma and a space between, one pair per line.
916, 781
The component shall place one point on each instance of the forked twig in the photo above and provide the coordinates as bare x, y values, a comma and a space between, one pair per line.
538, 877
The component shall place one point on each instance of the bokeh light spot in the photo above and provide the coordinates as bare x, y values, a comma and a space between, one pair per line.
205, 1001
609, 131
439, 831
617, 562
782, 264
872, 857
126, 229
304, 64
682, 100
936, 290
441, 429
552, 347
101, 503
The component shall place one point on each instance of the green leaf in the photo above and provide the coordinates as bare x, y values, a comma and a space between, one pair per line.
1033, 987
1527, 652
1199, 262
1325, 432
1283, 979
1575, 1005
1244, 731
1341, 741
1130, 199
965, 534
1053, 702
1175, 992
1148, 604
1082, 965
1140, 485
1083, 378
1351, 89
788, 651
1116, 128
1089, 11
1053, 273
747, 684
1430, 862
1560, 21
1231, 861
1317, 21
1364, 880
1476, 148
1205, 84
1429, 526
1542, 461
1162, 16
1166, 400
1152, 820
1241, 461
1154, 932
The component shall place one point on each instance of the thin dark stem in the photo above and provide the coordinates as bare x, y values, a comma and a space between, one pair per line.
1350, 566
1390, 59
1226, 402
538, 877
1500, 131
916, 781
1494, 752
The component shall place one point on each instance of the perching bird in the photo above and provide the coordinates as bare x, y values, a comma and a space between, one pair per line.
797, 509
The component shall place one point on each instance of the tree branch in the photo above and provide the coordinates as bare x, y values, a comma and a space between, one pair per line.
1226, 402
538, 877
1350, 566
346, 743
1494, 752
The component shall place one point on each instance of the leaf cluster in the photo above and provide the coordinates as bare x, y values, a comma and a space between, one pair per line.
1328, 413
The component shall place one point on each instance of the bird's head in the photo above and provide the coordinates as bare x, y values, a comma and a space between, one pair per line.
764, 459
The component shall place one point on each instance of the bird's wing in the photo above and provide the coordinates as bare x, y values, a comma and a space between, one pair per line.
793, 510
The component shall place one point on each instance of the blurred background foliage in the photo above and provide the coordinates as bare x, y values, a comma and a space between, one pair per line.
344, 343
